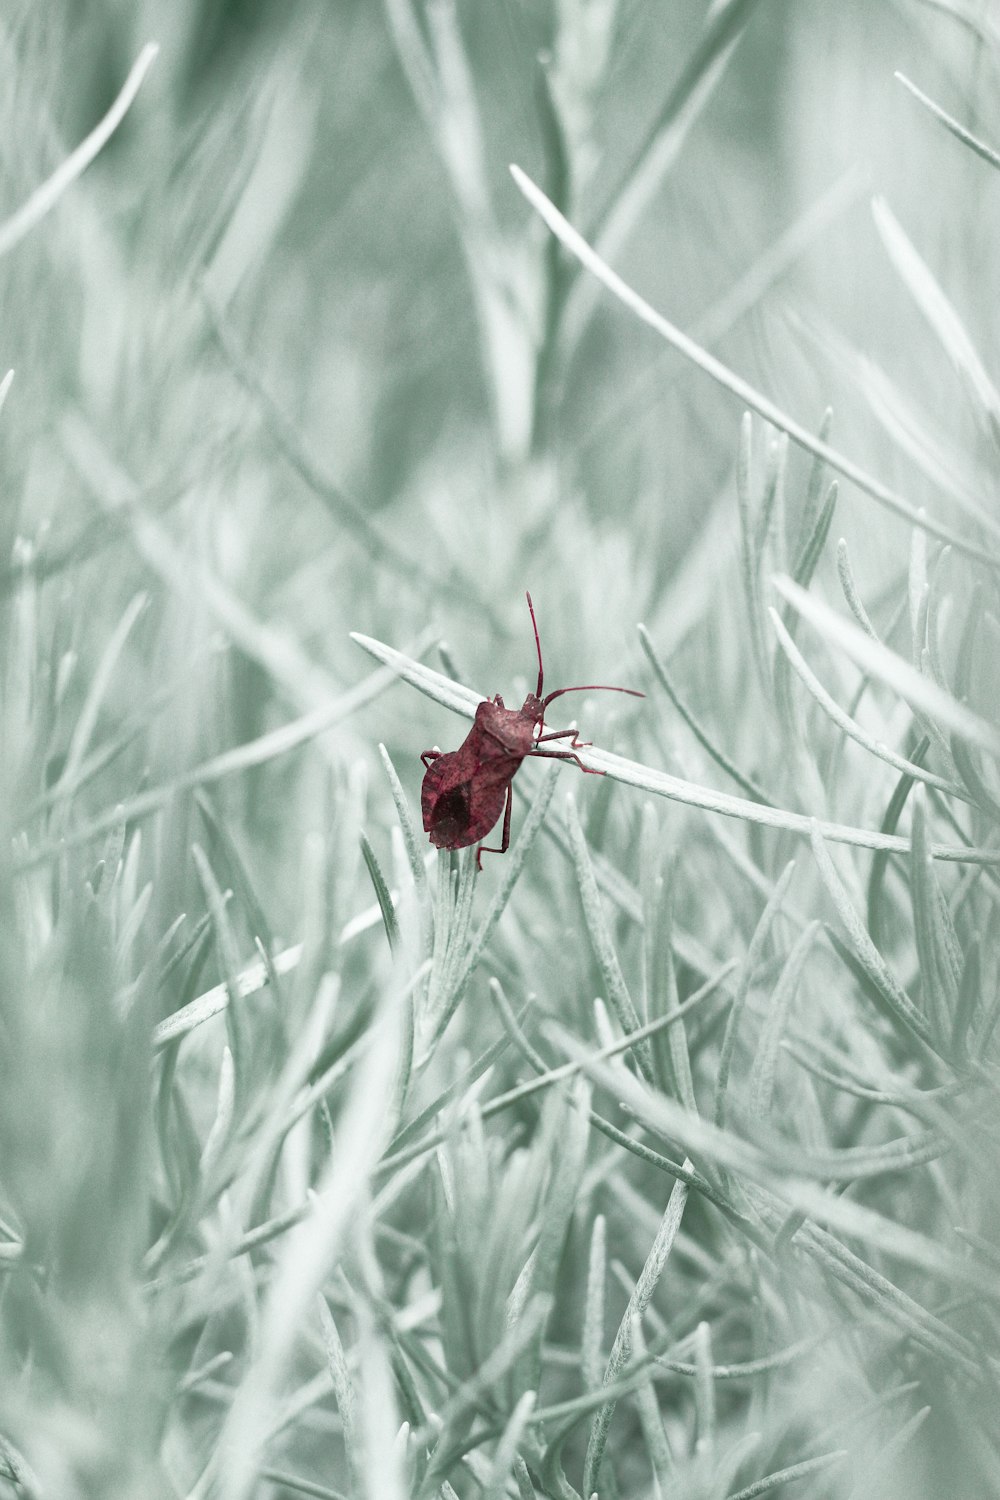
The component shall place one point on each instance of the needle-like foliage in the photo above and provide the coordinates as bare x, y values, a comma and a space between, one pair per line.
655, 1158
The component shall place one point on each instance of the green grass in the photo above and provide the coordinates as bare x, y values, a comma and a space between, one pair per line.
656, 1159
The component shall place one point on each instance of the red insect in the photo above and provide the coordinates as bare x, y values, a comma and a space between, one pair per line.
465, 790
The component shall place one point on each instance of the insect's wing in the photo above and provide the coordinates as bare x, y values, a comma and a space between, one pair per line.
461, 800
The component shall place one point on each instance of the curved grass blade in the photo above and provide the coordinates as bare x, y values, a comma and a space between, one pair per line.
938, 311
747, 973
791, 1474
258, 752
621, 1349
940, 965
382, 895
880, 862
850, 726
896, 1002
47, 195
763, 1074
749, 557
879, 661
601, 942
739, 387
697, 729
463, 701
974, 142
659, 149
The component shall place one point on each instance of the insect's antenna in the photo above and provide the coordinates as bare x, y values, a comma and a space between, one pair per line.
590, 687
538, 644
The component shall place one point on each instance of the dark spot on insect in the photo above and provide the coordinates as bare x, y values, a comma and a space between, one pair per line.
451, 814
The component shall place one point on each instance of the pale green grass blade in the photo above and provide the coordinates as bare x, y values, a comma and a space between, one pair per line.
851, 593
700, 733
968, 1002
232, 865
816, 525
343, 1388
940, 963
592, 1335
878, 902
506, 1451
887, 1462
735, 384
306, 1260
659, 150
849, 726
668, 1119
97, 692
221, 1127
890, 668
411, 839
842, 1077
749, 557
463, 701
249, 981
746, 977
665, 137
763, 1074
747, 1369
974, 142
621, 1349
226, 948
654, 1433
267, 747
45, 197
814, 540
301, 1486
938, 311
896, 1002
678, 1051
382, 894
595, 920
705, 1408
791, 1474
987, 799
911, 428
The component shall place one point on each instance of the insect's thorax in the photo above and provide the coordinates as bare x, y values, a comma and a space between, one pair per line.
511, 729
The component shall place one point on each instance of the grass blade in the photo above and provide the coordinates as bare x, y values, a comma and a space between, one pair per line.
599, 932
621, 1349
890, 668
896, 1002
735, 384
763, 1074
45, 197
463, 701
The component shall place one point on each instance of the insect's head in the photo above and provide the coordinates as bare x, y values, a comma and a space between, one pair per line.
535, 704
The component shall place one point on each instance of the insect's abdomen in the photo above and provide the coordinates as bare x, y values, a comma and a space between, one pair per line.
446, 815
458, 813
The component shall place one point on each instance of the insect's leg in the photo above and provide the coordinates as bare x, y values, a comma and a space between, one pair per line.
505, 836
568, 755
428, 756
565, 734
